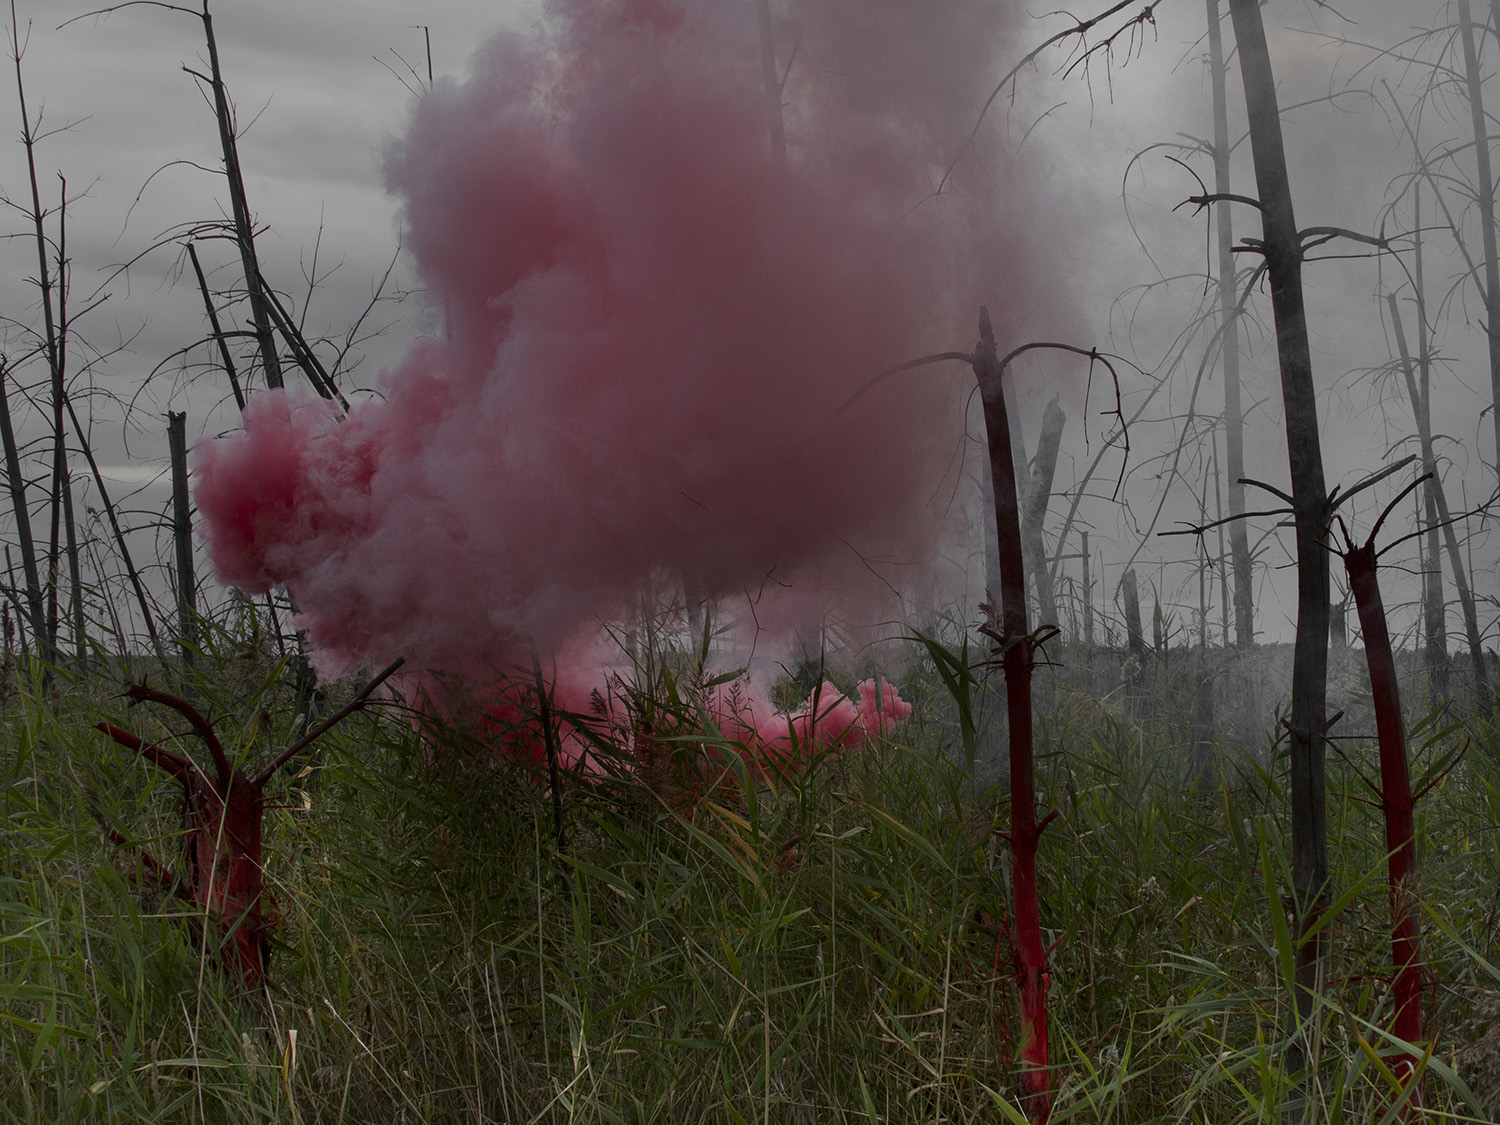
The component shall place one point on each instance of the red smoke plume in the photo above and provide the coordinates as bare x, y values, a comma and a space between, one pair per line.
649, 329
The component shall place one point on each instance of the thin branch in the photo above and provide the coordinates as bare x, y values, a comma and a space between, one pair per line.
141, 693
262, 776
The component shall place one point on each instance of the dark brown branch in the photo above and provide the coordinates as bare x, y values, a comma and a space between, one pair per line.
141, 693
1335, 498
260, 778
909, 365
213, 319
1221, 197
1080, 27
179, 768
1199, 529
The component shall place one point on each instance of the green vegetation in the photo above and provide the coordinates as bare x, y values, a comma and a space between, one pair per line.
823, 948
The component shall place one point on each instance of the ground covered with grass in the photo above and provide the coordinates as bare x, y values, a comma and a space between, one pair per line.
829, 945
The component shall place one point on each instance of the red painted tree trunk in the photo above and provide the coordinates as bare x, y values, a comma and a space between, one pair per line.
1397, 803
221, 823
1017, 656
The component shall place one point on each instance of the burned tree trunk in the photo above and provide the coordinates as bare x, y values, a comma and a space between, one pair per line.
1307, 725
182, 537
1229, 344
244, 231
1034, 515
1485, 198
36, 618
1017, 647
1132, 596
1439, 502
1396, 802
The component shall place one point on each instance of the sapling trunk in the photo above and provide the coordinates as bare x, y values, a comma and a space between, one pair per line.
1307, 724
1017, 654
1396, 803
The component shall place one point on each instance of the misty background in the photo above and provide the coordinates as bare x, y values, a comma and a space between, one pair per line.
322, 91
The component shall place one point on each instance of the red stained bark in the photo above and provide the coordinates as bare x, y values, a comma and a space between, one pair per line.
1398, 805
221, 823
1017, 658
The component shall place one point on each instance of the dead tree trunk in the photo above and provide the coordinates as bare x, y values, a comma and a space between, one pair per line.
35, 613
1017, 647
1485, 198
1397, 803
182, 537
1038, 495
1307, 725
1088, 596
54, 352
1440, 503
1229, 344
244, 230
213, 319
774, 121
1132, 595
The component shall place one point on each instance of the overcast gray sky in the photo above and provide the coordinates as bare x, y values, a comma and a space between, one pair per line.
316, 108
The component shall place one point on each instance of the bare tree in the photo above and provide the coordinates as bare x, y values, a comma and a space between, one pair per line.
1281, 246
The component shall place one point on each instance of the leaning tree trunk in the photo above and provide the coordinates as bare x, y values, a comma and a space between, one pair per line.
1038, 494
1229, 346
244, 231
1439, 501
1307, 726
1486, 200
16, 484
1398, 806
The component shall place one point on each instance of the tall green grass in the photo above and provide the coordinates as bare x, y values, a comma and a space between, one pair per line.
826, 947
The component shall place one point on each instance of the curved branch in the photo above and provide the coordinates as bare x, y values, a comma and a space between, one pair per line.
909, 365
180, 768
140, 693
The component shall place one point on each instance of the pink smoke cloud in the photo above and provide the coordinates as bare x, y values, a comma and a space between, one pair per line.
650, 327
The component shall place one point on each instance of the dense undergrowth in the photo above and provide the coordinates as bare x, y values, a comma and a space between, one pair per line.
824, 947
